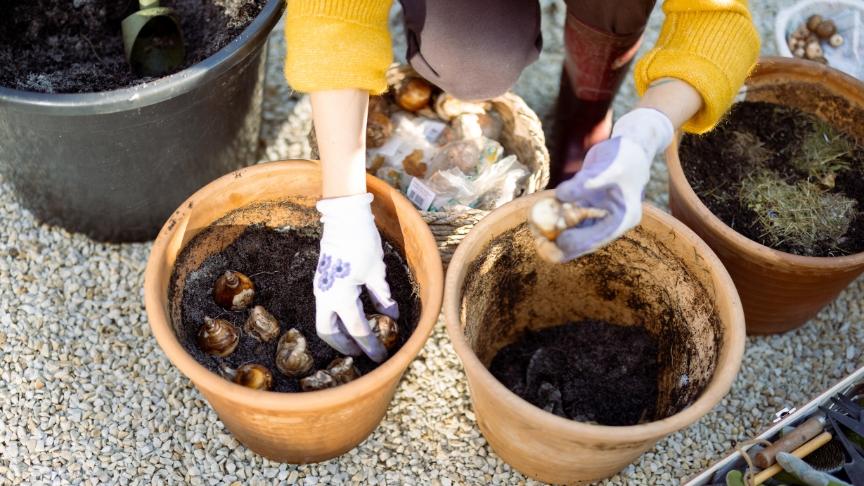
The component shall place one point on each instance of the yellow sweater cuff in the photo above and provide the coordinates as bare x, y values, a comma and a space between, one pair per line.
337, 44
712, 45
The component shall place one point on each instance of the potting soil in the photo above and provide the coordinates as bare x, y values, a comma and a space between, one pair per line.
281, 264
588, 371
765, 143
76, 46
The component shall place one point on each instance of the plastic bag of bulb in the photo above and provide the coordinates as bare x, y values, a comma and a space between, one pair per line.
443, 167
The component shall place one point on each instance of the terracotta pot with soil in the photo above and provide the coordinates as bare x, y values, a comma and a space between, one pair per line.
89, 145
776, 190
261, 221
576, 369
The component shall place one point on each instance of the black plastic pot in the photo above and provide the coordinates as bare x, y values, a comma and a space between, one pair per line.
115, 164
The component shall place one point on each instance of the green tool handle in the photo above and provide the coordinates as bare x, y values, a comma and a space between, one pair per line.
142, 4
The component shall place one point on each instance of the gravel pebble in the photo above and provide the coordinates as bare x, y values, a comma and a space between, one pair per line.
87, 397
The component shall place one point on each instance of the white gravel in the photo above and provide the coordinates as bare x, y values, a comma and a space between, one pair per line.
87, 397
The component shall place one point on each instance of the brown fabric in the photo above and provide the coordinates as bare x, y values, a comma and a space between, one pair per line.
600, 38
477, 49
473, 49
596, 61
620, 17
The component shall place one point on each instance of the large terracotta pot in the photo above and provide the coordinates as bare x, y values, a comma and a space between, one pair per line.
780, 291
660, 275
290, 427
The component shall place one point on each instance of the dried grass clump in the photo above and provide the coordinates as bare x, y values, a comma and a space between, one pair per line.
824, 153
802, 214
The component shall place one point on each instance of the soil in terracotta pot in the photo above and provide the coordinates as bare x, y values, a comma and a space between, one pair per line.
781, 177
282, 265
75, 46
589, 371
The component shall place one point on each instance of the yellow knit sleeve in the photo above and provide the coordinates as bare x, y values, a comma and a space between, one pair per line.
337, 44
712, 45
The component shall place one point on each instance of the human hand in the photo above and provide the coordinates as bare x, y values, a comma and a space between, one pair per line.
351, 257
613, 178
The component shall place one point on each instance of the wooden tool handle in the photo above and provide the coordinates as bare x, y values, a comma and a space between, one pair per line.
800, 453
791, 441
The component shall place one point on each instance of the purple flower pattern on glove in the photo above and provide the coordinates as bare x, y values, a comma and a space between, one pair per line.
341, 269
324, 263
328, 273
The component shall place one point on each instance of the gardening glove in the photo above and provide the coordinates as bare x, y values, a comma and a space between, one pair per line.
613, 178
351, 257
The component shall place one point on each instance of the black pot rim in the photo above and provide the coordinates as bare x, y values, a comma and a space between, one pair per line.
148, 93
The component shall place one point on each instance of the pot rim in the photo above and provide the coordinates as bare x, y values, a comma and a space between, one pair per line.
201, 377
728, 362
152, 92
829, 78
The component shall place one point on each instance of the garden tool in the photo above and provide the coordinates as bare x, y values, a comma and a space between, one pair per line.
800, 452
855, 467
847, 406
806, 473
790, 441
152, 39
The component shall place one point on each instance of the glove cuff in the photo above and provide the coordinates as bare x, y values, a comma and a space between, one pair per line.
354, 206
650, 128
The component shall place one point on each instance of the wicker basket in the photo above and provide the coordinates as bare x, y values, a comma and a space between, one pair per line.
522, 135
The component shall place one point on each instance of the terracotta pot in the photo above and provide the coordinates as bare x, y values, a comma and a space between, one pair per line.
660, 275
289, 427
780, 291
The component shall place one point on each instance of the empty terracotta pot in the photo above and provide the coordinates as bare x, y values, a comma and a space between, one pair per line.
287, 427
780, 291
660, 276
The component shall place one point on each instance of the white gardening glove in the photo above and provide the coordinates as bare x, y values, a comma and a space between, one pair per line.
613, 177
351, 257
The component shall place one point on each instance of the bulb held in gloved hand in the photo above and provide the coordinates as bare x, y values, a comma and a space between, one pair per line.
292, 358
549, 217
413, 94
261, 324
385, 328
255, 376
233, 291
317, 381
342, 370
218, 337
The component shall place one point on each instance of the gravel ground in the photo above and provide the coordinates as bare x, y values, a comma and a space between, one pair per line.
86, 396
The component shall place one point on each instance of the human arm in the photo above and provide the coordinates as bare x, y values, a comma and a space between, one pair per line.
616, 171
338, 50
351, 255
712, 45
688, 81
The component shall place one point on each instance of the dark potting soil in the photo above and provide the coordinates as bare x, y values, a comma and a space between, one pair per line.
589, 371
75, 46
281, 264
716, 174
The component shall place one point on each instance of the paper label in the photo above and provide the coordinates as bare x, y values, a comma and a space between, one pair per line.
432, 129
420, 194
